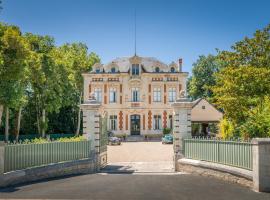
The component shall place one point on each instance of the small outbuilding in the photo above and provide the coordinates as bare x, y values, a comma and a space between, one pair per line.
205, 118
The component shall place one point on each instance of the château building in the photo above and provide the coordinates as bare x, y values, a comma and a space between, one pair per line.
136, 92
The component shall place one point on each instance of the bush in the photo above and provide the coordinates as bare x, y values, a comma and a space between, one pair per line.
43, 140
72, 139
258, 122
226, 129
166, 131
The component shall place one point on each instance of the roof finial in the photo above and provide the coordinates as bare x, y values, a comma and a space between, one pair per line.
135, 39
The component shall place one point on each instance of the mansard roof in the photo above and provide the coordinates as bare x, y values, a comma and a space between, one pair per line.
123, 64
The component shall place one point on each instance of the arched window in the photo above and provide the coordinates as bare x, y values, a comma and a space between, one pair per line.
172, 69
157, 69
97, 70
113, 70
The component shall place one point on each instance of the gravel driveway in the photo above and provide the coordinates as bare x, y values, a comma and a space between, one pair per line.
137, 157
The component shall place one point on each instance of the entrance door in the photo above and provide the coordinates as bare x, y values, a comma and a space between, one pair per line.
135, 124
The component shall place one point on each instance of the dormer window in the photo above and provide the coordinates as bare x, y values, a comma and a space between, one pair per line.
113, 70
157, 69
172, 69
97, 70
135, 69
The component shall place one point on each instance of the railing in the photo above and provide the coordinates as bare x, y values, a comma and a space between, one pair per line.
234, 153
22, 156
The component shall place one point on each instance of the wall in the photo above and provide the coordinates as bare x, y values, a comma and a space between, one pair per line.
84, 166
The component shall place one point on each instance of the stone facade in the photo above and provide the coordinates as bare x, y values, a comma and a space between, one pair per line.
136, 93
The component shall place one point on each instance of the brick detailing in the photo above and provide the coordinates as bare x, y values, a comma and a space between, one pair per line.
180, 87
149, 99
149, 88
105, 88
165, 99
121, 99
121, 88
165, 88
90, 89
105, 99
120, 120
149, 120
143, 121
126, 122
164, 119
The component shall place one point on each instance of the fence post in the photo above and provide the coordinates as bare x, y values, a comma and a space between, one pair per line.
2, 157
91, 119
261, 164
182, 125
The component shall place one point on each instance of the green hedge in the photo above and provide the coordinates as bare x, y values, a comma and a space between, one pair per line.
33, 136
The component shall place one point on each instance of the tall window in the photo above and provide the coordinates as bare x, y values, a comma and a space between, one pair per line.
157, 122
135, 94
112, 95
157, 69
157, 95
113, 122
98, 94
170, 121
135, 69
172, 94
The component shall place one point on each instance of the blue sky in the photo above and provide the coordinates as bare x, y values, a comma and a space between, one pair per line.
166, 29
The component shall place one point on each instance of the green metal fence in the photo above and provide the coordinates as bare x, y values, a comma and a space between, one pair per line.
234, 153
24, 156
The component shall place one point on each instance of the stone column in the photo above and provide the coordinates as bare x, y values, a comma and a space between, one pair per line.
91, 118
182, 125
2, 157
261, 164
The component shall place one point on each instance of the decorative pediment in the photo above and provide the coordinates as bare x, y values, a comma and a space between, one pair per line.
97, 66
135, 60
112, 65
173, 64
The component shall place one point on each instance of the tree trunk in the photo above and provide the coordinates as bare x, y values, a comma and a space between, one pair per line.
7, 124
18, 124
1, 113
79, 117
43, 123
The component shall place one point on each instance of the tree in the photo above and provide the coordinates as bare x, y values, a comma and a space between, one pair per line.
202, 79
13, 53
244, 82
77, 60
46, 78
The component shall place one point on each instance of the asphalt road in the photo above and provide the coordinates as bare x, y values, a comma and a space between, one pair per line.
130, 186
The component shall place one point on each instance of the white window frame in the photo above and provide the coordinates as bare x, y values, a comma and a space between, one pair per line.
135, 94
113, 122
98, 94
172, 94
157, 94
112, 95
157, 122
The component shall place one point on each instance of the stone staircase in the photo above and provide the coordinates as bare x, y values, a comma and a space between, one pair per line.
134, 138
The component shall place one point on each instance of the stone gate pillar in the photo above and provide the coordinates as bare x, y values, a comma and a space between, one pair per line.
182, 124
91, 118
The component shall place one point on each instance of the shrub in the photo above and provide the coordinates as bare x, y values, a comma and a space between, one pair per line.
258, 122
166, 131
72, 139
226, 129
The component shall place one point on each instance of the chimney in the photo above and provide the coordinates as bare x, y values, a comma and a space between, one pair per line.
180, 61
